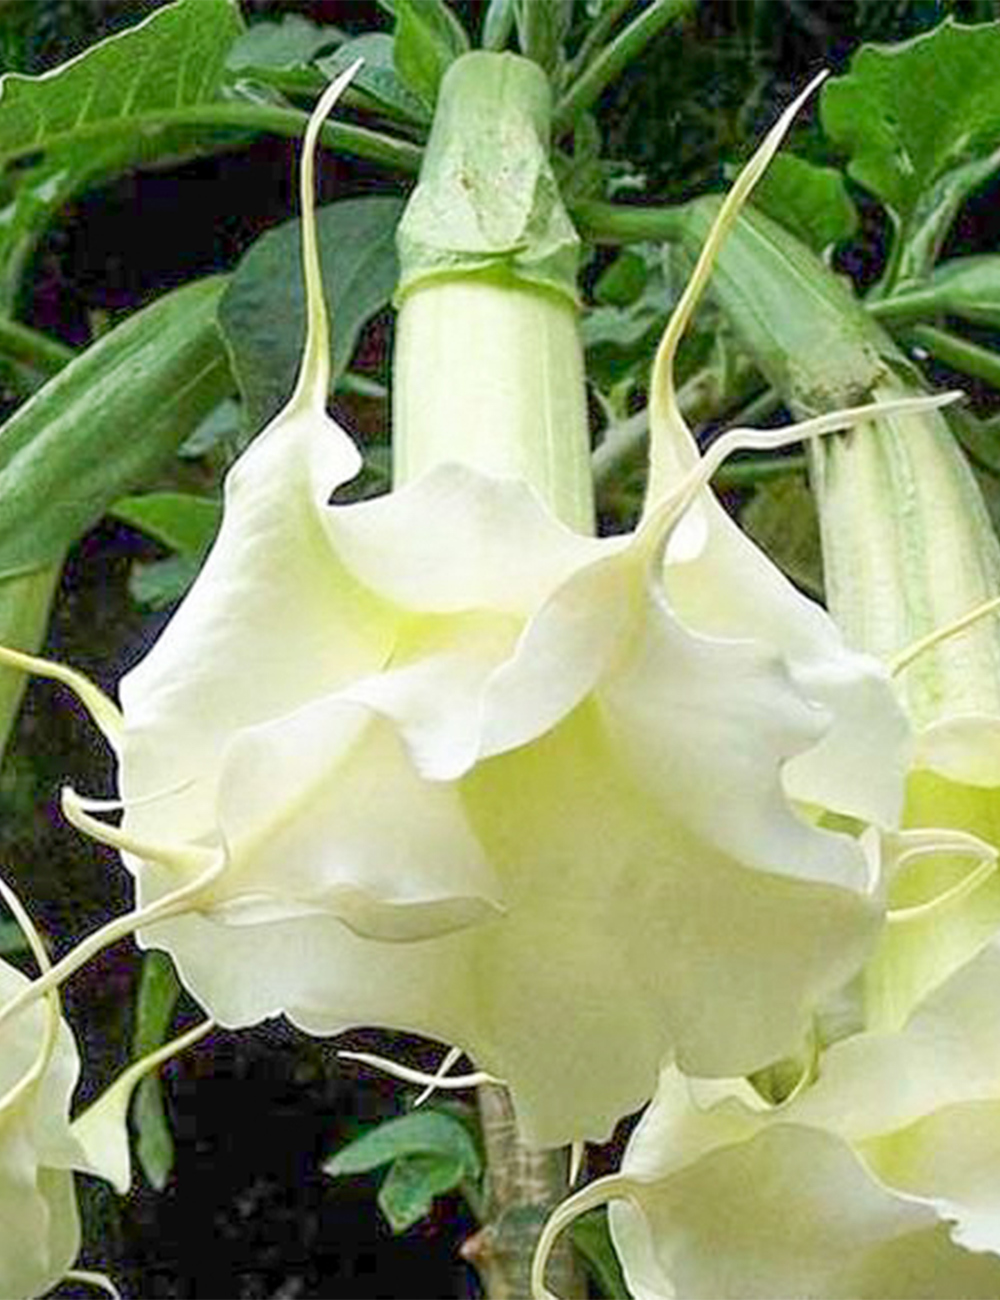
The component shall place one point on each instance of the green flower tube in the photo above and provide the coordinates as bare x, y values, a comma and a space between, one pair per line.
488, 363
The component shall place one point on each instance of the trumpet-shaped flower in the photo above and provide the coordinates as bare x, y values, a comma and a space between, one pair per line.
439, 762
40, 1147
878, 1179
38, 1072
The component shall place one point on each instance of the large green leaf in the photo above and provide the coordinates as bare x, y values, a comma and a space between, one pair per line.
427, 38
263, 311
180, 520
112, 107
287, 44
154, 1011
106, 421
921, 124
377, 77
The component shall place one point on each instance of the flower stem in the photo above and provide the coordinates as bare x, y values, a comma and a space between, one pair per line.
523, 1187
32, 348
957, 352
615, 58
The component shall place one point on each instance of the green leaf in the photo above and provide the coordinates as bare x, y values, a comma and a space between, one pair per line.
106, 421
184, 522
498, 23
979, 438
921, 123
158, 584
542, 29
180, 520
12, 939
427, 38
287, 44
104, 111
158, 994
220, 428
263, 311
781, 518
812, 202
408, 1189
624, 280
590, 1236
623, 328
422, 1132
377, 77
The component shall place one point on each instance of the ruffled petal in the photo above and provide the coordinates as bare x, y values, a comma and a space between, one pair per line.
457, 540
611, 947
790, 1212
721, 584
950, 1159
323, 811
272, 582
948, 1052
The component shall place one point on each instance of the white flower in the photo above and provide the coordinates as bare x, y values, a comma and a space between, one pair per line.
879, 1179
437, 762
38, 1072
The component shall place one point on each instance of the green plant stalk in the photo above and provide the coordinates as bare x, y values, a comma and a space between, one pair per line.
362, 142
963, 355
523, 1187
615, 58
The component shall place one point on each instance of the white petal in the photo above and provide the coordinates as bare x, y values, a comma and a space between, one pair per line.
950, 1158
457, 540
723, 585
323, 811
790, 1212
226, 660
948, 1052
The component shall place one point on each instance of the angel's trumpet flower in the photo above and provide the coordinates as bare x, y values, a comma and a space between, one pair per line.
444, 762
40, 1146
877, 1180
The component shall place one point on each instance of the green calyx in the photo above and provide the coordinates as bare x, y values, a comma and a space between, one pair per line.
487, 201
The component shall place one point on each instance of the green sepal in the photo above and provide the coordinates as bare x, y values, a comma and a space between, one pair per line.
487, 200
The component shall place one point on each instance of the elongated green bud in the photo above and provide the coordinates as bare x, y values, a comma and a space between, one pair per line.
488, 367
87, 436
909, 554
908, 547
